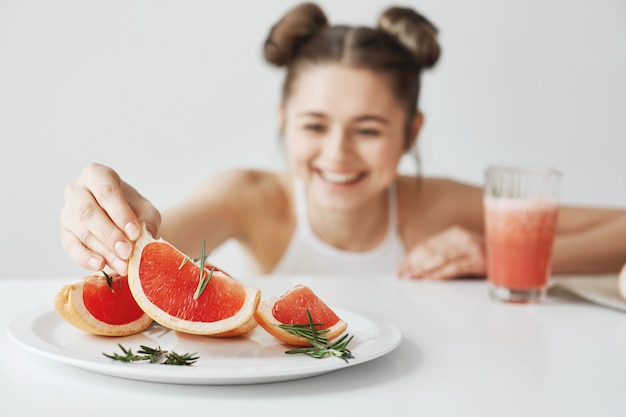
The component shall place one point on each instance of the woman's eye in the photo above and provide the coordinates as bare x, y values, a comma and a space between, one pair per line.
368, 132
314, 127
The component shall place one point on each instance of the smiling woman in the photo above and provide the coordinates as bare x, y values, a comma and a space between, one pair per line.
349, 112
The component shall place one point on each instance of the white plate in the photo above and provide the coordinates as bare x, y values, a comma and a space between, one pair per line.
256, 358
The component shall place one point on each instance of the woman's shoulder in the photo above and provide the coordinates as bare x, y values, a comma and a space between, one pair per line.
255, 183
254, 190
418, 187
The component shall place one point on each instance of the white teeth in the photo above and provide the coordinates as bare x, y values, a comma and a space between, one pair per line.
339, 178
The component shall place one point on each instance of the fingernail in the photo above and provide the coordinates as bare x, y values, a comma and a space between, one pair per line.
123, 249
94, 263
132, 231
119, 266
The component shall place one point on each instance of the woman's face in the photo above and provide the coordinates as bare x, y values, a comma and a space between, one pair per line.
344, 133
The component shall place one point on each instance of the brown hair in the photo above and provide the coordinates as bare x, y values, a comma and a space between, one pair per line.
400, 47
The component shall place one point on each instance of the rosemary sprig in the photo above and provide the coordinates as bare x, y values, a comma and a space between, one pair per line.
174, 358
203, 285
184, 261
204, 280
320, 346
337, 349
153, 355
304, 330
109, 281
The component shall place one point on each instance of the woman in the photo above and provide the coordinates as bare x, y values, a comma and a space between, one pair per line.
349, 112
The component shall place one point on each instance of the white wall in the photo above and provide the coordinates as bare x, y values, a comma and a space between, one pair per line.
170, 92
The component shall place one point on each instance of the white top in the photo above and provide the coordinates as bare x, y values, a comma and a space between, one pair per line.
307, 253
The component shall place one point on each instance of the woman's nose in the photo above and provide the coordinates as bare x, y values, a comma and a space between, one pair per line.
337, 145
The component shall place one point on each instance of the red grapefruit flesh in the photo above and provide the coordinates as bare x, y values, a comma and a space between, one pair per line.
95, 307
114, 304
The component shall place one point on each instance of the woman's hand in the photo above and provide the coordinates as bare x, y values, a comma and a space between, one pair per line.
455, 252
101, 218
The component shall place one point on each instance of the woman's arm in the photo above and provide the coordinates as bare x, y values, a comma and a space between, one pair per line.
589, 240
248, 206
215, 211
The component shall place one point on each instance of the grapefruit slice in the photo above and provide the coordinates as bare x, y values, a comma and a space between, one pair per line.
95, 307
291, 308
165, 284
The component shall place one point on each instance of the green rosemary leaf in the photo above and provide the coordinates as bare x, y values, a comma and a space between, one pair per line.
128, 355
154, 355
184, 261
314, 332
298, 351
304, 330
202, 285
109, 281
202, 259
201, 281
187, 359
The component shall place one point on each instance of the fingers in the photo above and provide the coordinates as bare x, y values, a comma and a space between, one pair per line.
107, 190
446, 269
461, 267
98, 222
80, 239
421, 260
145, 212
95, 259
452, 253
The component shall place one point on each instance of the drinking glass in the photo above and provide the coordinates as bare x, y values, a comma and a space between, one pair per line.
520, 209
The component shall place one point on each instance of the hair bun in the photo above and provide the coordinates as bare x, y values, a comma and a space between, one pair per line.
414, 32
296, 26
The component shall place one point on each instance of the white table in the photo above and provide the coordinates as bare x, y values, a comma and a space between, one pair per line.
462, 354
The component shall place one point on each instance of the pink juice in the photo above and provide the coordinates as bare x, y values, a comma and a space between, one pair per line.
520, 236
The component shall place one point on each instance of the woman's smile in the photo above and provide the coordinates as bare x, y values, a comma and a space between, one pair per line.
340, 178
